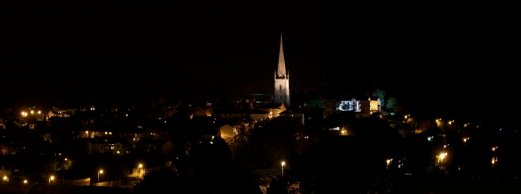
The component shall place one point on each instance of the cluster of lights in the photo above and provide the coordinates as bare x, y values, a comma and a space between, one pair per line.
31, 112
441, 157
438, 122
5, 178
494, 160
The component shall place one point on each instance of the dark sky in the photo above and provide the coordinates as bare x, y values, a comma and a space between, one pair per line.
439, 56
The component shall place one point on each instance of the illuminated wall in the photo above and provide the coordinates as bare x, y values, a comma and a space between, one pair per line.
352, 105
375, 105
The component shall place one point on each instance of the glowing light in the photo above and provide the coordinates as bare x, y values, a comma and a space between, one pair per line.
32, 112
26, 181
39, 112
430, 138
5, 178
282, 164
374, 106
65, 159
494, 160
51, 178
349, 105
100, 171
140, 165
466, 139
441, 157
343, 132
439, 122
388, 162
494, 148
24, 114
335, 128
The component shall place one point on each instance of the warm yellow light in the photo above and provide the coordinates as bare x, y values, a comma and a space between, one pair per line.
5, 178
24, 114
441, 157
26, 181
494, 148
100, 171
39, 112
66, 159
343, 132
493, 161
140, 165
388, 162
87, 132
51, 178
283, 163
466, 139
32, 112
438, 122
373, 106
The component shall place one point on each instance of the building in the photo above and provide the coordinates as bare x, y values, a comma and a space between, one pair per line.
281, 93
366, 107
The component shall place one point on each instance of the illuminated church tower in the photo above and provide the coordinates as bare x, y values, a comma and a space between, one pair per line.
281, 94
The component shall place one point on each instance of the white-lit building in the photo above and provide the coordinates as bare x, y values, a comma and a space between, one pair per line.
366, 107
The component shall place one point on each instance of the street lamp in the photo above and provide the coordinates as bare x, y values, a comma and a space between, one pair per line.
51, 178
282, 164
100, 171
141, 169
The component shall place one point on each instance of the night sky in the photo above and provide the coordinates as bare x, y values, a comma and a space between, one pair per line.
447, 58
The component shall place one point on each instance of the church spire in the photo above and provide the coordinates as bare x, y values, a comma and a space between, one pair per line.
281, 94
281, 69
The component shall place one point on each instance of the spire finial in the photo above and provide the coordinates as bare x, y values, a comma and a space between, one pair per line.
281, 69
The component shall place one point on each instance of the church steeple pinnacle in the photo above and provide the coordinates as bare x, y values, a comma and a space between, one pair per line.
281, 68
281, 94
